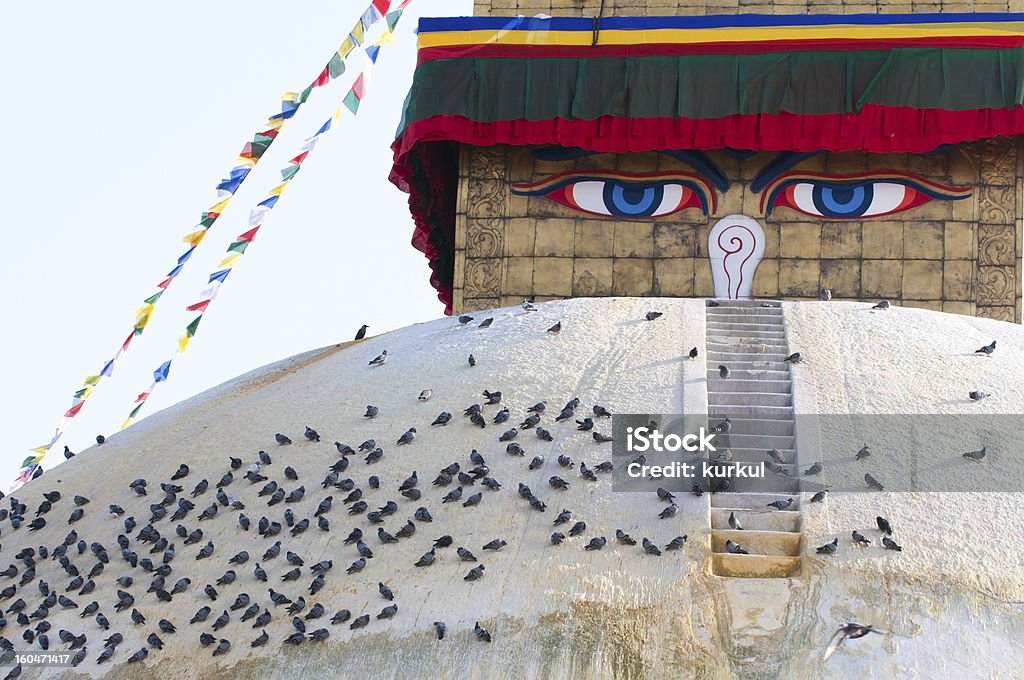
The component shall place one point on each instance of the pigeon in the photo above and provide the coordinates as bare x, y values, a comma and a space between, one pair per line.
138, 656
602, 438
425, 395
380, 359
200, 616
341, 616
261, 640
829, 548
794, 358
978, 395
693, 353
596, 543
814, 469
464, 319
486, 323
388, 612
311, 434
890, 544
360, 622
360, 334
472, 360
864, 452
723, 371
651, 316
825, 294
624, 538
407, 437
481, 633
734, 523
987, 349
734, 548
222, 647
557, 328
696, 489
851, 631
676, 543
883, 525
439, 629
780, 504
975, 455
872, 482
884, 304
496, 544
650, 548
557, 537
860, 539
426, 559
669, 511
577, 529
282, 439
820, 496
601, 412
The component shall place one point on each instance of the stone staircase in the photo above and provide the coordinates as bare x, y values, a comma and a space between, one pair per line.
749, 338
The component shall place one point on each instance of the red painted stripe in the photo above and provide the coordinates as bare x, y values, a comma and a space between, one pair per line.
672, 49
875, 129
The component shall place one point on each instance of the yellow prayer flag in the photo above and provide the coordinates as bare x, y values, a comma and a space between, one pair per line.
219, 207
126, 423
346, 47
251, 162
230, 260
195, 238
386, 38
290, 97
275, 124
183, 342
41, 450
357, 32
276, 191
92, 380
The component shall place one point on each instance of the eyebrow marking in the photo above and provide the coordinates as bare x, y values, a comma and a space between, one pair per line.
780, 164
698, 160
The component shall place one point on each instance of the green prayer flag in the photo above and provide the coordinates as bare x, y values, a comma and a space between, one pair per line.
392, 18
351, 102
151, 300
238, 247
191, 328
336, 66
290, 172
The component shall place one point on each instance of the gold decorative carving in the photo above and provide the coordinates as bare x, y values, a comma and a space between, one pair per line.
996, 204
998, 161
483, 277
995, 244
488, 162
996, 286
484, 237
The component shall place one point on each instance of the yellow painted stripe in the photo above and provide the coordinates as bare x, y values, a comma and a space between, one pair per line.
714, 35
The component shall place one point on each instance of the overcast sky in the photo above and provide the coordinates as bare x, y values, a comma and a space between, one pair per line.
120, 118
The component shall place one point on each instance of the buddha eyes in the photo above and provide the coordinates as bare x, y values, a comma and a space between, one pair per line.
627, 196
836, 197
854, 196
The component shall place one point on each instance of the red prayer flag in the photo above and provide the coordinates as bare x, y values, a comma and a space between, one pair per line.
298, 159
249, 235
323, 78
73, 411
128, 340
142, 397
164, 283
382, 6
359, 87
199, 306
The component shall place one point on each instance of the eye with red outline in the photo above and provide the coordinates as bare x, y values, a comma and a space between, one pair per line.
851, 197
624, 195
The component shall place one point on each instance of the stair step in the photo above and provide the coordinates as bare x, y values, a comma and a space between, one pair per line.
773, 543
755, 520
749, 399
762, 441
752, 386
764, 412
755, 566
753, 501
